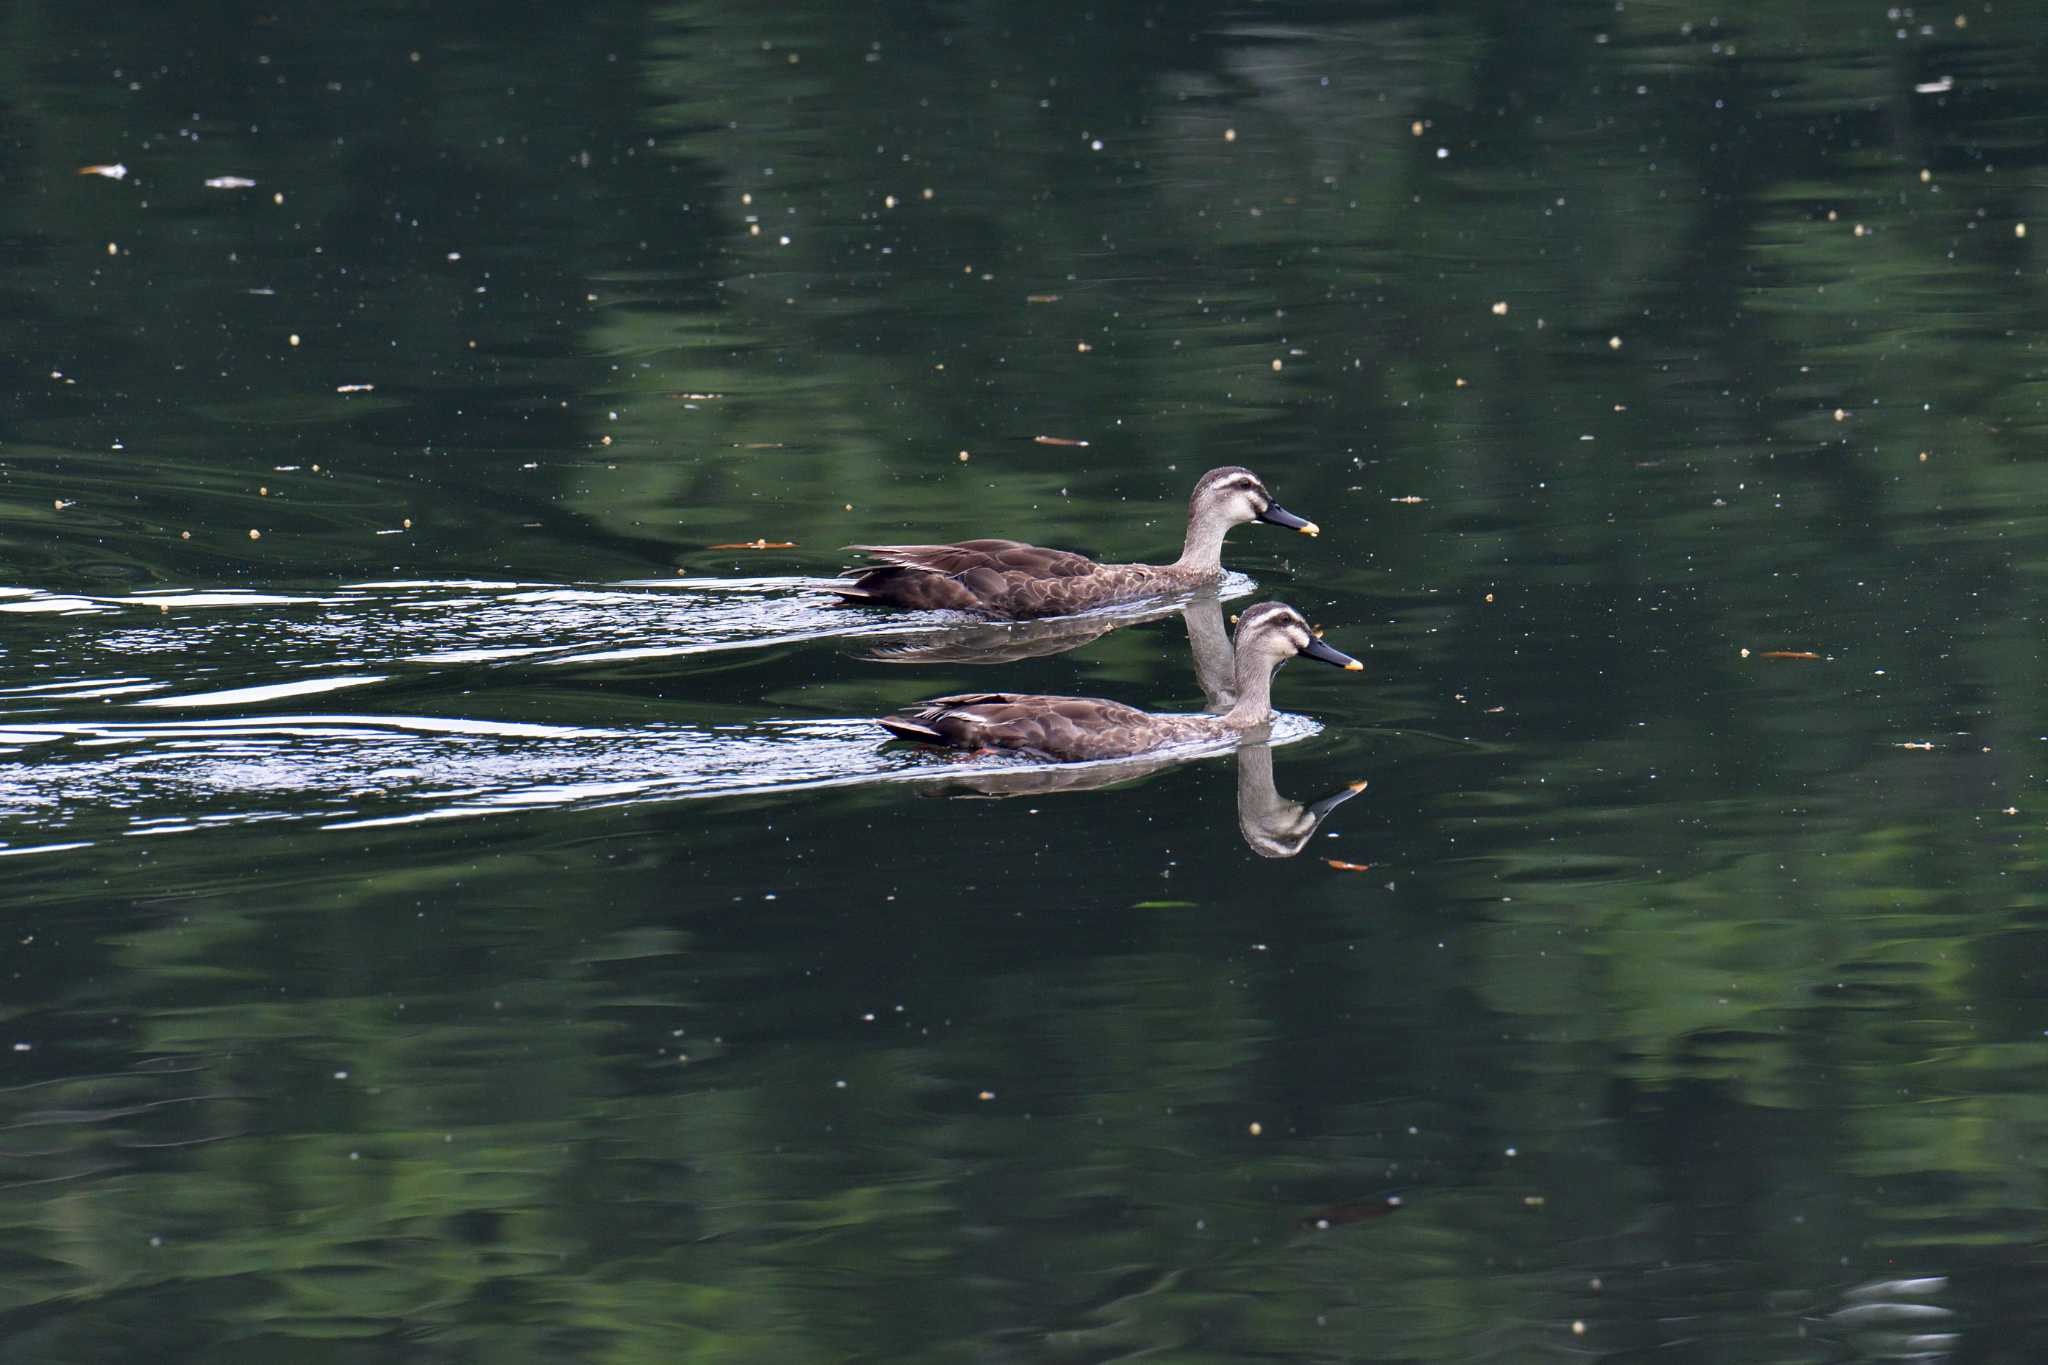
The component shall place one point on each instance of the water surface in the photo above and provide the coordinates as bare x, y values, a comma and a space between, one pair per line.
457, 908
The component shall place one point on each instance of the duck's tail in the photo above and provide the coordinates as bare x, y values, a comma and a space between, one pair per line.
910, 728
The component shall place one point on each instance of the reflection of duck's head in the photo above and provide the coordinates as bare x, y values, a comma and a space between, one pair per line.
1233, 495
1272, 825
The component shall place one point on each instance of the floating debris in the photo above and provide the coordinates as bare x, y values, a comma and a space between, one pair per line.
1041, 298
1338, 1215
1343, 866
757, 545
1940, 86
354, 388
1052, 441
115, 171
1410, 499
230, 182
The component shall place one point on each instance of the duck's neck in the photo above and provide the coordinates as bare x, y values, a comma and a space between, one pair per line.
1202, 552
1254, 691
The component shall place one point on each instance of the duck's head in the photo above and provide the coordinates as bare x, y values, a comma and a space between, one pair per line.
1235, 495
1273, 632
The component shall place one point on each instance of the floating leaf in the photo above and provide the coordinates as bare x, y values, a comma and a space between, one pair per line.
116, 171
1057, 441
230, 182
1343, 866
758, 545
1337, 1215
1788, 654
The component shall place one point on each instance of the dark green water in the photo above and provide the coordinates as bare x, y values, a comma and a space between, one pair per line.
475, 921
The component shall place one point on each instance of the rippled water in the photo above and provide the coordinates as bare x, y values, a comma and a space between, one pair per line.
547, 959
79, 753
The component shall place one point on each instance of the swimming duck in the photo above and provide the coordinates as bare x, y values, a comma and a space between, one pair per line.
1073, 728
1009, 580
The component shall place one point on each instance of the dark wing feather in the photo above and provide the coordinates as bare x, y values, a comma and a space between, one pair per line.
1054, 727
1004, 578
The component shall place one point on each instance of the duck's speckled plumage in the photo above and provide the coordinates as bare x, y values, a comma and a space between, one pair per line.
1010, 580
1073, 728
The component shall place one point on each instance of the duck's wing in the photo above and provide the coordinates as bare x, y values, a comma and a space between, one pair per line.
1055, 727
1000, 556
1001, 577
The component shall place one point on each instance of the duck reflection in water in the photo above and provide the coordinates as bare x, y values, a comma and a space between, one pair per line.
1004, 642
1237, 684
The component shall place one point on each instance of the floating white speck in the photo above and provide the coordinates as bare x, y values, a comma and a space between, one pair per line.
1940, 87
114, 171
230, 182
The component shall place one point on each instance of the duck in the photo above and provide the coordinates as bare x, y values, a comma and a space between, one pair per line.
1009, 580
1073, 729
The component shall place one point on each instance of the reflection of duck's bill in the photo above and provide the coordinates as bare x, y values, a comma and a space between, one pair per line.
1335, 799
1280, 516
1323, 653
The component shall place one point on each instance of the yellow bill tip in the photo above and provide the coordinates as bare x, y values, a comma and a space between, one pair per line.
1357, 786
1354, 667
1310, 529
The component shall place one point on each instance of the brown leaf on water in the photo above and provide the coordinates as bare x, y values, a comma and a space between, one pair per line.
1343, 866
1788, 654
1057, 441
758, 545
1338, 1215
1041, 298
114, 171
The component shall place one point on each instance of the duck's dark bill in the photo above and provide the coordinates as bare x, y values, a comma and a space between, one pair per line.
1280, 516
1318, 650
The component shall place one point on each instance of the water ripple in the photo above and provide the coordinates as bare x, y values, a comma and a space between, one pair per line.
90, 779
